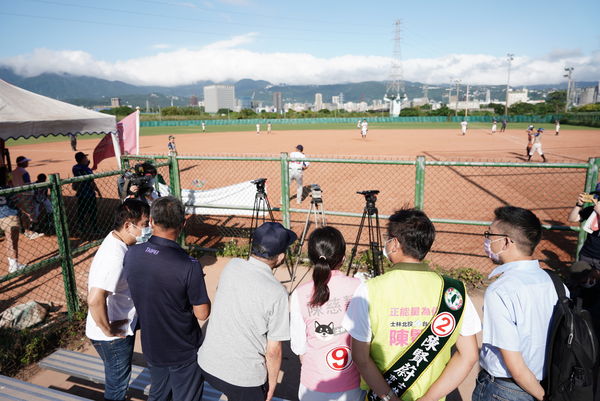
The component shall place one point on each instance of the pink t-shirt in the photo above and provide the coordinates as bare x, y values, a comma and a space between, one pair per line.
317, 334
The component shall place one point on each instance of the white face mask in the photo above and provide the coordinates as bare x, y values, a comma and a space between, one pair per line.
385, 249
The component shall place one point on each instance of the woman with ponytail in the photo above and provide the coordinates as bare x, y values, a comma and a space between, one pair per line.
317, 336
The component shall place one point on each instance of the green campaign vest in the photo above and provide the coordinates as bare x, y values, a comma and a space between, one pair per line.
415, 317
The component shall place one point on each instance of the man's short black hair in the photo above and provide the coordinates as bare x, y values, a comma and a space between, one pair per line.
413, 230
521, 225
131, 210
168, 212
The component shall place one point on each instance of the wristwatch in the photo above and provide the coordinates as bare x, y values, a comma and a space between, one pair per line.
388, 396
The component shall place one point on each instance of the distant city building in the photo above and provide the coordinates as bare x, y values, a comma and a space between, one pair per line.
115, 102
194, 101
245, 102
341, 98
278, 102
488, 96
516, 96
589, 95
219, 97
318, 101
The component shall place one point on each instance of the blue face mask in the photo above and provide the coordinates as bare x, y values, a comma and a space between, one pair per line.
146, 233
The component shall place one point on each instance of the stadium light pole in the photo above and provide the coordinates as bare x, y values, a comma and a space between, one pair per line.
509, 57
569, 71
467, 101
457, 82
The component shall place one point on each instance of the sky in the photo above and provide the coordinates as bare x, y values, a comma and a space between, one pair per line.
177, 42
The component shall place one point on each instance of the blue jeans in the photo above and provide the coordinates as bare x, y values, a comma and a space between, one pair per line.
489, 388
116, 355
178, 383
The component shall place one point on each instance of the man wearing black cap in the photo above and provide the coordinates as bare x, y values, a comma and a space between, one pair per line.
86, 194
241, 354
297, 168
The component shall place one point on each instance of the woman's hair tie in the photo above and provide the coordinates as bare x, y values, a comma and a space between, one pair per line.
323, 257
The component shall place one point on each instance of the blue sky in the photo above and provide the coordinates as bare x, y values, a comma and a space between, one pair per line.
182, 41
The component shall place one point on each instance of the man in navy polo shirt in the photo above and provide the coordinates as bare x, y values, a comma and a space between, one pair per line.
168, 291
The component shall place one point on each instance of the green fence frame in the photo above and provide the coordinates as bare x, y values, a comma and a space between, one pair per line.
66, 252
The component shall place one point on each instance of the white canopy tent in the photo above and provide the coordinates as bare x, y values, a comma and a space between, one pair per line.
25, 114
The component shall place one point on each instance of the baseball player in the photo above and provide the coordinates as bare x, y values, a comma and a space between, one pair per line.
364, 128
203, 126
503, 126
557, 128
537, 145
268, 127
529, 139
358, 124
297, 170
463, 127
171, 146
257, 128
494, 125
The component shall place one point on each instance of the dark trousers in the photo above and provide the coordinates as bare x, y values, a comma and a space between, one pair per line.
116, 355
86, 213
237, 393
176, 383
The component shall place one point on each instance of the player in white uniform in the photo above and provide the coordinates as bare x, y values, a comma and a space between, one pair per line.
557, 128
537, 145
203, 126
494, 127
297, 170
269, 127
257, 128
463, 127
364, 128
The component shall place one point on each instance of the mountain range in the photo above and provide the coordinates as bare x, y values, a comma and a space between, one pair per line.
89, 91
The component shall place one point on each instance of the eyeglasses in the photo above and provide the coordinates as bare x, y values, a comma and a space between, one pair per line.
488, 234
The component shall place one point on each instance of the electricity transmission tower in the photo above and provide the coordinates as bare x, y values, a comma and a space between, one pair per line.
570, 88
509, 57
395, 86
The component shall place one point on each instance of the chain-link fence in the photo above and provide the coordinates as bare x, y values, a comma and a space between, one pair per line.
52, 269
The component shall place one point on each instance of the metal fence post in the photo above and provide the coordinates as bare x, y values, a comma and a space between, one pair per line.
124, 163
64, 246
420, 182
591, 178
285, 190
174, 177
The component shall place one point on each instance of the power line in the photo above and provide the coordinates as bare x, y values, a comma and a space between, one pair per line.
142, 13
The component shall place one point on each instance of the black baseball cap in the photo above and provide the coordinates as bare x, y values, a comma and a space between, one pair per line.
79, 156
271, 239
22, 159
300, 148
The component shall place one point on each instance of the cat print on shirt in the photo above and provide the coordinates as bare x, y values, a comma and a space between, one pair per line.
324, 332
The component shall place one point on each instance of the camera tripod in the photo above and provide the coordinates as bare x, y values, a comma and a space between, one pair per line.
261, 207
375, 256
318, 212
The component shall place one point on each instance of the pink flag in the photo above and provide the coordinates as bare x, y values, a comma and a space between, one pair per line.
129, 131
103, 150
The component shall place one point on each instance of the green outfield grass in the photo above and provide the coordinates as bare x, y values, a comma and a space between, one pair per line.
182, 130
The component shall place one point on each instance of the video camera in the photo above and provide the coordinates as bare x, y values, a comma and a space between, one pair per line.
260, 184
316, 193
140, 176
371, 198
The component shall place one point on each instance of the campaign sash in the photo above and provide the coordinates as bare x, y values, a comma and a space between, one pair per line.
414, 360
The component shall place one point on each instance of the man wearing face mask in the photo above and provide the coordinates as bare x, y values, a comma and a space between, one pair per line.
168, 290
85, 191
404, 322
517, 310
111, 318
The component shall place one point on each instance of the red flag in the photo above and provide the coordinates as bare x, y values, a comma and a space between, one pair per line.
104, 150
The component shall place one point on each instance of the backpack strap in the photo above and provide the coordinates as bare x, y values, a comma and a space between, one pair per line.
558, 285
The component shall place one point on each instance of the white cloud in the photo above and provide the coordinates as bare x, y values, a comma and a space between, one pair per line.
225, 60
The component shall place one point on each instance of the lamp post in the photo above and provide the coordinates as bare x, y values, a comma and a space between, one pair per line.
457, 82
569, 71
509, 58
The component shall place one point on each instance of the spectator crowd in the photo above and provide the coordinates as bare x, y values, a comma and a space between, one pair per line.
389, 337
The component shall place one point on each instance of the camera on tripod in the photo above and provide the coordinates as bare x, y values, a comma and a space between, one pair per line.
260, 184
141, 176
370, 197
316, 193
